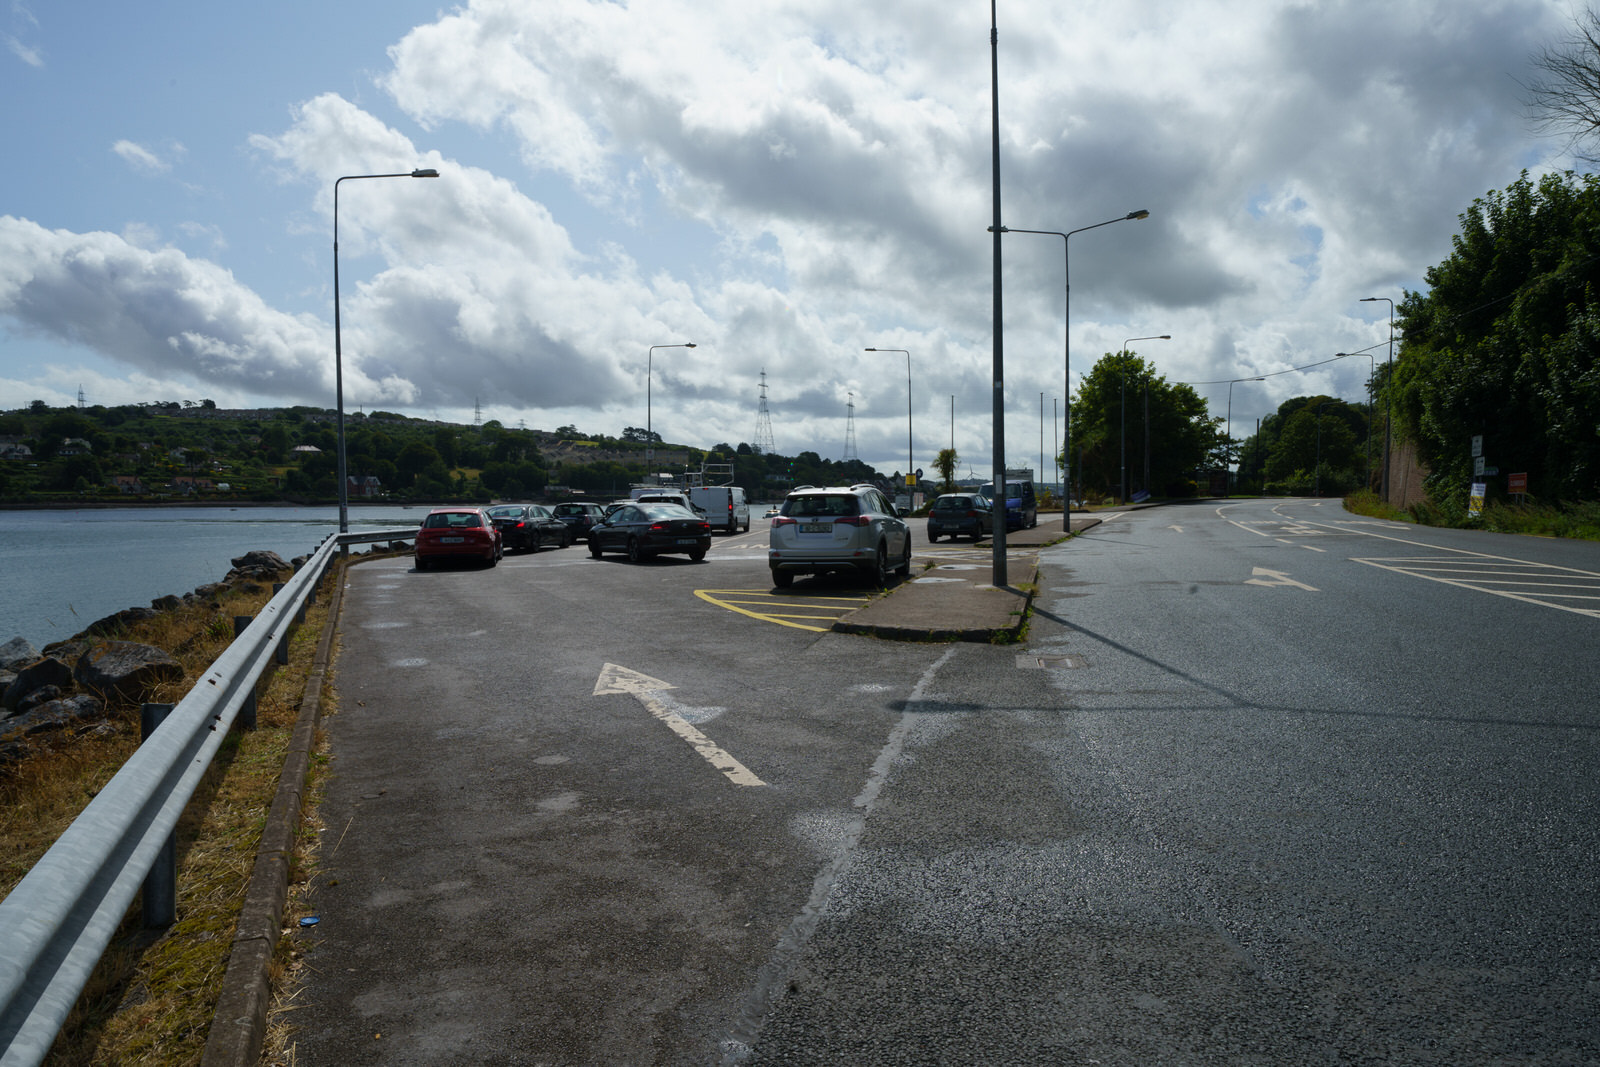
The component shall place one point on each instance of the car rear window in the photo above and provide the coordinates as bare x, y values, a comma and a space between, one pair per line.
803, 506
450, 520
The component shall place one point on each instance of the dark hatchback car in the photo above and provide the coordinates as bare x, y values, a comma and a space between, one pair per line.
960, 515
646, 530
528, 527
579, 516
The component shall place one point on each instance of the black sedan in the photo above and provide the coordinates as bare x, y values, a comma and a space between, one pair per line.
528, 527
960, 514
580, 516
646, 530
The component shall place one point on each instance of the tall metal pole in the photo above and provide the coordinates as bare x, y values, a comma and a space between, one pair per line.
910, 454
338, 344
1066, 357
1388, 394
998, 569
649, 433
1123, 447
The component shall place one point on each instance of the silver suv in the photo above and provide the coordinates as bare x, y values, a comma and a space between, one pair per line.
838, 529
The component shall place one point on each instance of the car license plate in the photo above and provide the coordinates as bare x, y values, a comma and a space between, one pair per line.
688, 540
816, 527
451, 540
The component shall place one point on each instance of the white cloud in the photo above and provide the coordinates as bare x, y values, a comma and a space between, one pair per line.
788, 183
140, 158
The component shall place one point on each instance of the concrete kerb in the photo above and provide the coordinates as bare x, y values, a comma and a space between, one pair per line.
239, 1026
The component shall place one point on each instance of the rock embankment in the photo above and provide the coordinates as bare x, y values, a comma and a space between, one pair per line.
74, 685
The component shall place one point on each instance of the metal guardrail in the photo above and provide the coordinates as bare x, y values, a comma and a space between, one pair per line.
55, 925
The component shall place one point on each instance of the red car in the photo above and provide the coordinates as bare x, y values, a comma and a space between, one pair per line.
456, 533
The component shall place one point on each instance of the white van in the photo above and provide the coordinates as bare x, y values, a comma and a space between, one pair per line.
724, 506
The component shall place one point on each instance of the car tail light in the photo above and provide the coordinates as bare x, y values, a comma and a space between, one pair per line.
972, 514
658, 527
854, 520
783, 520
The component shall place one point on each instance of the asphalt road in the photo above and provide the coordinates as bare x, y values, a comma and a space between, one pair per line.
1266, 783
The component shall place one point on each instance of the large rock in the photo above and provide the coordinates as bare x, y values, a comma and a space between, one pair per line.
261, 565
125, 671
55, 715
47, 670
115, 624
17, 652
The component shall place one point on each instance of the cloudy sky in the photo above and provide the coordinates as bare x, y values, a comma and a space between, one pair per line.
784, 184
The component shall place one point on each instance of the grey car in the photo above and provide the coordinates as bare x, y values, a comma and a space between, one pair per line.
852, 529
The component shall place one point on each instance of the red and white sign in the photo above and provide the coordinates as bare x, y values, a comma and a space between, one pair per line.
1516, 483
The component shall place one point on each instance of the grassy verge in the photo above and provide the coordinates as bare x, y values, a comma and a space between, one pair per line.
1580, 521
151, 999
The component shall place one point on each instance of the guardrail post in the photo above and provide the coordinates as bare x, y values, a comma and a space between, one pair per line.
247, 712
159, 898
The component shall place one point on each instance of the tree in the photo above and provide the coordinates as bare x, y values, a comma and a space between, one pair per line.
945, 463
1506, 344
1566, 100
1121, 403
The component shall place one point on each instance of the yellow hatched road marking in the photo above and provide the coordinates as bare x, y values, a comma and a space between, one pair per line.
782, 609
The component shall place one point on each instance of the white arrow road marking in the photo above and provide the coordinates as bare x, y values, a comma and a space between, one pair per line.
615, 679
1278, 578
1178, 528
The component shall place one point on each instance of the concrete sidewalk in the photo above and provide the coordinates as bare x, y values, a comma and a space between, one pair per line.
954, 601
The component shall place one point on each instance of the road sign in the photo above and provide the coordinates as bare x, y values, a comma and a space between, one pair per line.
1477, 445
1475, 503
1517, 483
1477, 463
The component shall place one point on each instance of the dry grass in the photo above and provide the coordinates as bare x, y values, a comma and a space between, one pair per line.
152, 997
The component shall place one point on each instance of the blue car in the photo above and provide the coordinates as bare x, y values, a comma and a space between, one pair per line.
1022, 507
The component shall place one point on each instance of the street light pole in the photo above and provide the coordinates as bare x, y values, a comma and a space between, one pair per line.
910, 455
1123, 448
1227, 463
338, 344
649, 435
1066, 358
1388, 394
1372, 372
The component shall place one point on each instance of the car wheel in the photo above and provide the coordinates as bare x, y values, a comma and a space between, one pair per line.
594, 548
879, 574
697, 554
782, 579
635, 554
422, 564
904, 569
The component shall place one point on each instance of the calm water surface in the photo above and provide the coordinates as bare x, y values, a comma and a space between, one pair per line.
62, 570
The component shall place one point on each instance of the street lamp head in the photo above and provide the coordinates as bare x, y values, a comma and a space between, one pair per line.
428, 173
691, 344
1140, 214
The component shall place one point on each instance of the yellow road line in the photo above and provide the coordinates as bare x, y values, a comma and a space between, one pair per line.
793, 606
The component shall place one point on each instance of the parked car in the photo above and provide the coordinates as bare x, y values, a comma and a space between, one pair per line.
458, 533
1022, 507
580, 515
670, 496
852, 529
643, 530
527, 527
960, 515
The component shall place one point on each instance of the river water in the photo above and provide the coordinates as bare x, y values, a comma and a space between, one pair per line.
62, 570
